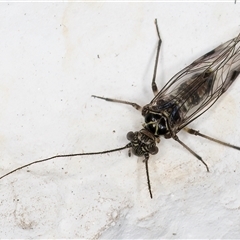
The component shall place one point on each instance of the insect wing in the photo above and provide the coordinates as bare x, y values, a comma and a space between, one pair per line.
197, 87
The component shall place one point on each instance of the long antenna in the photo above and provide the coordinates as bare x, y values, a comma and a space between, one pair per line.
64, 155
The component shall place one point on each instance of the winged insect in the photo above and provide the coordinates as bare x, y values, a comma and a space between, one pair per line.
185, 97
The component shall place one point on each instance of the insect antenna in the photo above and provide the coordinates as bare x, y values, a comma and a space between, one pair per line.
147, 172
197, 133
65, 155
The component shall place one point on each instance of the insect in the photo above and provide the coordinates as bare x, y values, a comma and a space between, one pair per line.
185, 97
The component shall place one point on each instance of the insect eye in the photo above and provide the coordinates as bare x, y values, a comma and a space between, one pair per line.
130, 136
153, 150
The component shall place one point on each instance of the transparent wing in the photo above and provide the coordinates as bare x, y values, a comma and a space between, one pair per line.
193, 90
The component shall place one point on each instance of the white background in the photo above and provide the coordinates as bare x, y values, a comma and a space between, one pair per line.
54, 56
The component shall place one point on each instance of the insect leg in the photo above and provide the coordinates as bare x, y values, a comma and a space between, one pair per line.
191, 151
154, 85
197, 133
147, 172
135, 105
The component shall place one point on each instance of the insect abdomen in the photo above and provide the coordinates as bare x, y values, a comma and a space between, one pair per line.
192, 92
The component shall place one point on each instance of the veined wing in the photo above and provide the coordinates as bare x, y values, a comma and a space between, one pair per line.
193, 90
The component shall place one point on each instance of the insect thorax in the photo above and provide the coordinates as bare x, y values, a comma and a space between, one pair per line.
166, 114
158, 123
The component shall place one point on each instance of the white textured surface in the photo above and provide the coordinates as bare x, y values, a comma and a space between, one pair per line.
53, 57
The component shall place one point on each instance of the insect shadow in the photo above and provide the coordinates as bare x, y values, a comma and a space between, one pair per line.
185, 97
